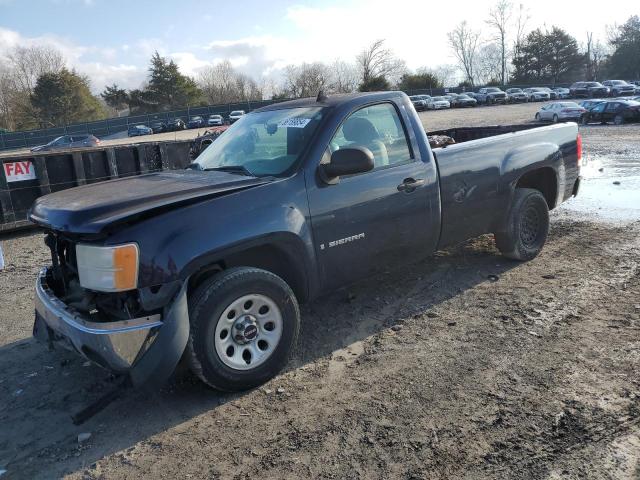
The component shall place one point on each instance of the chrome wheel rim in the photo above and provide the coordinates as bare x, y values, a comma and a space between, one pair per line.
248, 332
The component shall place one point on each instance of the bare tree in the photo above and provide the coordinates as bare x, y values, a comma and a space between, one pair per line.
446, 74
221, 83
29, 63
488, 65
596, 53
499, 17
464, 43
378, 61
344, 77
306, 80
521, 28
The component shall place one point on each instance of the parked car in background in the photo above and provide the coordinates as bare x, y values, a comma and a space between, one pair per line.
235, 116
516, 95
560, 112
419, 103
473, 95
176, 124
589, 104
464, 100
489, 95
158, 127
636, 84
450, 97
616, 111
537, 94
69, 141
619, 88
560, 93
139, 130
438, 103
196, 122
588, 90
215, 120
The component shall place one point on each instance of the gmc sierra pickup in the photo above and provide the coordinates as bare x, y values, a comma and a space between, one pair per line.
292, 201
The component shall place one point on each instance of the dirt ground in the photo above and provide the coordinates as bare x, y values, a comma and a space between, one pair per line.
462, 366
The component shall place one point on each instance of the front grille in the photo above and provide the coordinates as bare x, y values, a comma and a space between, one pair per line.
64, 268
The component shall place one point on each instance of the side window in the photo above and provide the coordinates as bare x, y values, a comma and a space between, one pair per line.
377, 128
598, 108
611, 107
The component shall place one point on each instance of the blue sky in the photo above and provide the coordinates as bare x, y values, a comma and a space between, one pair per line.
112, 40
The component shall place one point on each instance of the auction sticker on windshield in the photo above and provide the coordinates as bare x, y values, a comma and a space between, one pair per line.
19, 171
294, 122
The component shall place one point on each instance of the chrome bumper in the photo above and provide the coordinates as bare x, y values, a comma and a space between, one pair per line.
140, 346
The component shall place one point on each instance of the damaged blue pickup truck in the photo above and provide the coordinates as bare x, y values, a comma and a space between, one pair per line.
294, 200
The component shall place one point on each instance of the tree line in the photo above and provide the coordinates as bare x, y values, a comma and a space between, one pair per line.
510, 53
38, 90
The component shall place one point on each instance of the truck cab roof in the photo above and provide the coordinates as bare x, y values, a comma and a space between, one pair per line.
334, 100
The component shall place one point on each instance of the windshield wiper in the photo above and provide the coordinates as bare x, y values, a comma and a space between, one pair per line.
231, 169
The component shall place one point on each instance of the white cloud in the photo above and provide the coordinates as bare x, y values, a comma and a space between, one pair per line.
99, 64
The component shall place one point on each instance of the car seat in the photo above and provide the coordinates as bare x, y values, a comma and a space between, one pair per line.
361, 132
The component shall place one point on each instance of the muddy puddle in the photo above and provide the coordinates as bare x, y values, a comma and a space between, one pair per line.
610, 190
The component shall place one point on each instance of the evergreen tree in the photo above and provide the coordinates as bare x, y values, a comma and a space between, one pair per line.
64, 97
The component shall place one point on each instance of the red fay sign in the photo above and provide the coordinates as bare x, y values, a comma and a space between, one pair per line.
18, 171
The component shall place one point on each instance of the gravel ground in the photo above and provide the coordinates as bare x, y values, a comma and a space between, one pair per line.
462, 366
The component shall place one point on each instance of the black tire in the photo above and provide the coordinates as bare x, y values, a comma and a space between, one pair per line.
555, 119
618, 119
527, 226
206, 307
584, 119
537, 117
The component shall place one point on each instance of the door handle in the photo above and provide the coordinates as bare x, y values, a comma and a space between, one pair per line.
410, 184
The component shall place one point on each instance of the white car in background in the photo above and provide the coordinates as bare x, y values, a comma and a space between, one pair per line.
419, 102
560, 112
438, 103
236, 115
537, 94
215, 120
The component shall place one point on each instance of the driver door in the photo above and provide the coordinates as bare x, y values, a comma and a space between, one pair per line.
369, 221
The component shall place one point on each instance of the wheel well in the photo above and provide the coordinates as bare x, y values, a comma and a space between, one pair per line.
266, 257
544, 180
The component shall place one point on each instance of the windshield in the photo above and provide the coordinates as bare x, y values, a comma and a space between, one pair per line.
569, 105
263, 143
493, 89
439, 99
237, 113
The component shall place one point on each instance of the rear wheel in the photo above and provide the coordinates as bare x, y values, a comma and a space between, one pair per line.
555, 119
584, 119
527, 226
618, 120
244, 323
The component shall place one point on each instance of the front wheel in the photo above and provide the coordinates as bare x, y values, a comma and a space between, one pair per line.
244, 324
618, 120
537, 117
527, 226
555, 119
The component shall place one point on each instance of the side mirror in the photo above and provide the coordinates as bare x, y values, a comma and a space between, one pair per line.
347, 161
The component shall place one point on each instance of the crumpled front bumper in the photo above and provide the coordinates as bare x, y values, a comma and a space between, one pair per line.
146, 348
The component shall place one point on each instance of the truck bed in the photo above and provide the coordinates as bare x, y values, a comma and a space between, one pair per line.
478, 172
466, 134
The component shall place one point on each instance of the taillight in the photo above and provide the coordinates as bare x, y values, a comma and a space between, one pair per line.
579, 149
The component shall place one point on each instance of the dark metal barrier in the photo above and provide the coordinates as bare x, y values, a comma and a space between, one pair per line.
23, 178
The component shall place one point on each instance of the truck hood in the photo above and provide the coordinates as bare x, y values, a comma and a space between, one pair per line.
90, 209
